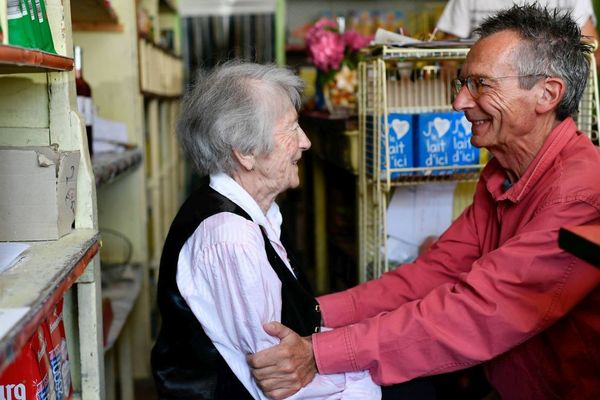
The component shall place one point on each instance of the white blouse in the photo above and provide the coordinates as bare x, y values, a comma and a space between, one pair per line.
225, 277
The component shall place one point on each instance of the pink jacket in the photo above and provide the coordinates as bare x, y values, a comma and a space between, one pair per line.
495, 288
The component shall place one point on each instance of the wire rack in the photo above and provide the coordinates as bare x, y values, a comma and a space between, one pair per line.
383, 88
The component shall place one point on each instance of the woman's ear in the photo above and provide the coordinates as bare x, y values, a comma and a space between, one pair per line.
553, 92
245, 160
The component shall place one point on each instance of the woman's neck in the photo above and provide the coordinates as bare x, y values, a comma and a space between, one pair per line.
250, 181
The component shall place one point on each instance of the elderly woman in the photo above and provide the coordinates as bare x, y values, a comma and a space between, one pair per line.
224, 271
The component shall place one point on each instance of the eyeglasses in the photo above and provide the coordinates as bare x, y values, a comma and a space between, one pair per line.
477, 85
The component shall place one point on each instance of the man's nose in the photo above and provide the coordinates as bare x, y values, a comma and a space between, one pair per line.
463, 99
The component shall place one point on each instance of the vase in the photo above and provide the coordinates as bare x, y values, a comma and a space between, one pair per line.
340, 92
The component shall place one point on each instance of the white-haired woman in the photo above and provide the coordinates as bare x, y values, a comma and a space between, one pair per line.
224, 271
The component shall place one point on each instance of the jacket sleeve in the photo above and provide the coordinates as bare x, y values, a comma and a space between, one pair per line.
458, 316
449, 258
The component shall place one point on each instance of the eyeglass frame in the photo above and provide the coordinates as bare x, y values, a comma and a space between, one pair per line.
478, 82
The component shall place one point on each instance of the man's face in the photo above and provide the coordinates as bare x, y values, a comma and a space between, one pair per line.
500, 111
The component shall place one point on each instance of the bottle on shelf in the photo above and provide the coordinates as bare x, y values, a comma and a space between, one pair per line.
84, 97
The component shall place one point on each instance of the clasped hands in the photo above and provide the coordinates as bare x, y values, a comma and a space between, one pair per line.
282, 370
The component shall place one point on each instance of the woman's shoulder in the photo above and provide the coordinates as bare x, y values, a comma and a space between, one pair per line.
227, 227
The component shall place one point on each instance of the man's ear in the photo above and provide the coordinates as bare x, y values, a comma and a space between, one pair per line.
553, 92
245, 160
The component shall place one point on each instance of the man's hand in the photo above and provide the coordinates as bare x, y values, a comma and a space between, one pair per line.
282, 370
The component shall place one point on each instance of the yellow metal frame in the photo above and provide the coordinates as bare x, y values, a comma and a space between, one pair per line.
375, 177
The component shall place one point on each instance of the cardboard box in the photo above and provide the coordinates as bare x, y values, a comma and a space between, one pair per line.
38, 188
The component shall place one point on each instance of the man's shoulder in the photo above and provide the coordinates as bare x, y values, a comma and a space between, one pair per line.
577, 171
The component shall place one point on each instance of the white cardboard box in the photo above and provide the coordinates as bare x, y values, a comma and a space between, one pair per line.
38, 189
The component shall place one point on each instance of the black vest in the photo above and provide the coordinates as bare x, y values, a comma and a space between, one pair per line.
185, 363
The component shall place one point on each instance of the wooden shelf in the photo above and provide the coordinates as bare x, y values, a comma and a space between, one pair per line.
109, 166
167, 6
151, 95
14, 59
583, 241
38, 281
122, 294
165, 50
421, 175
94, 15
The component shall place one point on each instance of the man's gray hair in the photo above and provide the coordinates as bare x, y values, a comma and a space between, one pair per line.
234, 106
552, 46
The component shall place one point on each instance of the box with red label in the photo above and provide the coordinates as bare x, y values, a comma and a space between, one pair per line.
56, 345
28, 377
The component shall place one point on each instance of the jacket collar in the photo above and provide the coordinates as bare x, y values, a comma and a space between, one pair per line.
495, 176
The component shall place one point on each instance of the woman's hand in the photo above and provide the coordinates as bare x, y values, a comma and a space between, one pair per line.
282, 370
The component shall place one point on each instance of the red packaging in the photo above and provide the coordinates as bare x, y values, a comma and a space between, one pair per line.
58, 355
28, 377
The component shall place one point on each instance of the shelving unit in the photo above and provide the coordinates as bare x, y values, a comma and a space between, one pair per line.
38, 108
110, 61
63, 262
161, 84
377, 176
17, 60
95, 15
137, 82
111, 166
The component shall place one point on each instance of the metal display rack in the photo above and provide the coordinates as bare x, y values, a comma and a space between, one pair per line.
385, 84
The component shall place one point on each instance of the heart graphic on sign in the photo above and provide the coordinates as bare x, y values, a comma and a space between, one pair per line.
466, 124
441, 126
400, 127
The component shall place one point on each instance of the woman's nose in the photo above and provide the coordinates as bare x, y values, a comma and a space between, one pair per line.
304, 142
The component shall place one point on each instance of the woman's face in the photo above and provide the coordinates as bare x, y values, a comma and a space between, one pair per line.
279, 169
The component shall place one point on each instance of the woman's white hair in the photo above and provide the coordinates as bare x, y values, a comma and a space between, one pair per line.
234, 106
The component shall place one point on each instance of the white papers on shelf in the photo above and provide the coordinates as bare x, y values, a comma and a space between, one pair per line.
109, 135
383, 36
9, 318
10, 252
415, 213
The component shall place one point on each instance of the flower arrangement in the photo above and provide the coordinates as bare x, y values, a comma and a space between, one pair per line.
336, 56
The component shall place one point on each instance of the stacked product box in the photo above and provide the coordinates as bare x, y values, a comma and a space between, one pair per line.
41, 369
56, 344
424, 140
399, 144
444, 139
29, 376
400, 128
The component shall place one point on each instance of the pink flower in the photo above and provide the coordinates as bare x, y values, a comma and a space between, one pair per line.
321, 25
355, 41
325, 23
325, 48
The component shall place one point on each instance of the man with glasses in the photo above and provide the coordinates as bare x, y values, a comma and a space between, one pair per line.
495, 289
